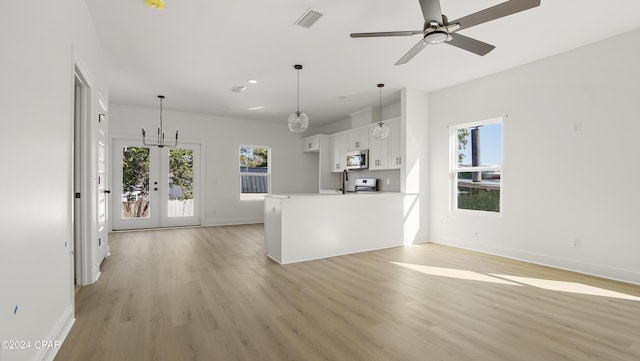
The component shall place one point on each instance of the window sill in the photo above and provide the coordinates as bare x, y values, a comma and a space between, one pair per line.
253, 197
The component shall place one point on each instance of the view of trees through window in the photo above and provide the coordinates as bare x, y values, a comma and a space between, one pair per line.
478, 167
136, 197
180, 183
135, 182
254, 171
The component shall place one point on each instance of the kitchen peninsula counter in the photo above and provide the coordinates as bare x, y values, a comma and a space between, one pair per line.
301, 227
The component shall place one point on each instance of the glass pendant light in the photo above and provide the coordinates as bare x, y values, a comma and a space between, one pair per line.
298, 121
381, 131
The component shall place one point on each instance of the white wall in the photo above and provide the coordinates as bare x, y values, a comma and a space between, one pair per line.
388, 111
414, 174
558, 184
291, 170
38, 39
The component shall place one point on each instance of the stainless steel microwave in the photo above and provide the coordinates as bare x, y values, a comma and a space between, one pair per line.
358, 159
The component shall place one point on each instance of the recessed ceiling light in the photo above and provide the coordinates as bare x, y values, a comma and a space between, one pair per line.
252, 81
256, 108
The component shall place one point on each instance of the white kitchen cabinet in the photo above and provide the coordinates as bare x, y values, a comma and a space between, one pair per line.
301, 227
311, 144
385, 153
395, 148
358, 139
339, 148
378, 151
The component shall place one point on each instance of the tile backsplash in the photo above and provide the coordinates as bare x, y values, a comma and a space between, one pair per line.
388, 180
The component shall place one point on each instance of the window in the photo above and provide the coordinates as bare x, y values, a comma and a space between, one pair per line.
477, 166
180, 183
255, 173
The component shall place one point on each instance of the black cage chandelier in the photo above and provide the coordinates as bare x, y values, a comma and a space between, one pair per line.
160, 143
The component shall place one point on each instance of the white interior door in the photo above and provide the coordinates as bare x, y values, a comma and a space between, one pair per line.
155, 187
103, 190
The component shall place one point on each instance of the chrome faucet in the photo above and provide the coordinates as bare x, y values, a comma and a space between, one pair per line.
345, 179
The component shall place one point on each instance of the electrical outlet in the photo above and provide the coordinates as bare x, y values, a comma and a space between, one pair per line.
576, 126
388, 181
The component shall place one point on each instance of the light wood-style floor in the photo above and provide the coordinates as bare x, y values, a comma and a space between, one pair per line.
212, 294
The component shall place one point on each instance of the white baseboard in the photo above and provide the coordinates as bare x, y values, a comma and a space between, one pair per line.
546, 260
232, 221
59, 333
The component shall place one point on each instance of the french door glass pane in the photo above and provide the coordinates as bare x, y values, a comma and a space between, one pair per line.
135, 182
180, 203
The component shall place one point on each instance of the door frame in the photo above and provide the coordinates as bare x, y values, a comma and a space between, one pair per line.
161, 220
83, 227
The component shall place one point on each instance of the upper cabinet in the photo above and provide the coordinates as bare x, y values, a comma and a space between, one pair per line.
339, 148
378, 151
395, 148
311, 144
358, 139
385, 153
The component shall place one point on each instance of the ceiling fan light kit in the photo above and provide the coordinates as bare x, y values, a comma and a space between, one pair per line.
437, 29
436, 37
298, 121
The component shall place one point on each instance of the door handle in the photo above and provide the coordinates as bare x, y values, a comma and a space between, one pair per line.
107, 191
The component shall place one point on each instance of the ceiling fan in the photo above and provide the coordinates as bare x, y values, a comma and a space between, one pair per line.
438, 29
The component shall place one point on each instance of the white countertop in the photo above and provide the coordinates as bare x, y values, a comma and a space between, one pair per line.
337, 194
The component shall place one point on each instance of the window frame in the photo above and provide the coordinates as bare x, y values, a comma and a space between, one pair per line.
455, 169
254, 196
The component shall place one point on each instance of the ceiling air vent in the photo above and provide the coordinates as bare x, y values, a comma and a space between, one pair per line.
308, 18
238, 88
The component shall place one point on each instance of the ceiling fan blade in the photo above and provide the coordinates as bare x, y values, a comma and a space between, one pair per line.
470, 44
387, 33
411, 53
496, 12
431, 10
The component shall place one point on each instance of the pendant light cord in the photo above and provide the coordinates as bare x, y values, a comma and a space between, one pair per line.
161, 114
380, 86
298, 91
380, 115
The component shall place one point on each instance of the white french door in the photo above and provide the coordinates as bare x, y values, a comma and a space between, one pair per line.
155, 187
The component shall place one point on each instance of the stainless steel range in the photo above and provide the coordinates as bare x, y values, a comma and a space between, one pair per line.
366, 185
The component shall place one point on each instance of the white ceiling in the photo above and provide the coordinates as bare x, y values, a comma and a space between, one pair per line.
194, 51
